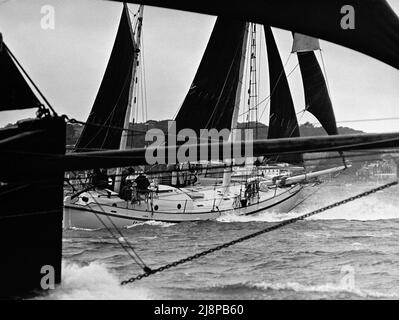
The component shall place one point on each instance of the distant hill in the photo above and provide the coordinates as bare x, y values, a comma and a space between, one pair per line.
138, 130
321, 159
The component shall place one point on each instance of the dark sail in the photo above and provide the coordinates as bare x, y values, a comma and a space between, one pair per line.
282, 121
15, 92
107, 116
376, 31
317, 99
211, 98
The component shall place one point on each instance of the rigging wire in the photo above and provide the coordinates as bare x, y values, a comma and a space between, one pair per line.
142, 100
325, 73
133, 255
144, 77
237, 52
369, 120
34, 213
275, 86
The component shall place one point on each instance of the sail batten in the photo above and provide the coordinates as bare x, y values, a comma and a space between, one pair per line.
109, 109
210, 102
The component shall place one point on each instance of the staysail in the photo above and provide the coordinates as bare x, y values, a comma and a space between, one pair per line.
15, 93
282, 121
106, 120
211, 99
317, 98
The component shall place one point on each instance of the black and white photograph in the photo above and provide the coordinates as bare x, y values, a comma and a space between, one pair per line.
218, 151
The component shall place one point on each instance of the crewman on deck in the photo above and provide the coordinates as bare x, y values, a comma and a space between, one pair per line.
142, 184
126, 192
100, 178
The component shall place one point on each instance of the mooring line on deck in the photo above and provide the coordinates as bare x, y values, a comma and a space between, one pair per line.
258, 233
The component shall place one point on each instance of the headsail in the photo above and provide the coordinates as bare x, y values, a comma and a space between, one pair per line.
282, 121
15, 92
317, 98
112, 100
211, 98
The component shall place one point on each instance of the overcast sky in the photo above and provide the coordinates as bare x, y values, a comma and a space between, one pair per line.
68, 63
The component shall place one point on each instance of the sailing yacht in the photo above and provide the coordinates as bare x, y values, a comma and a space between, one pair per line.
212, 102
33, 149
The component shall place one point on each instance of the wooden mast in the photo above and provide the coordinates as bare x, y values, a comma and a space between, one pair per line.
131, 102
233, 133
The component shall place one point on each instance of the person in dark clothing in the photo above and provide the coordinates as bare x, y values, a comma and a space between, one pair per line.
125, 174
257, 162
142, 183
126, 192
100, 178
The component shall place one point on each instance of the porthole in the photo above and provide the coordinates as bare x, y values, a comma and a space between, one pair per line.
156, 207
179, 206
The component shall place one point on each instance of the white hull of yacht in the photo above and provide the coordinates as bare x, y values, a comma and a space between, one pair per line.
176, 205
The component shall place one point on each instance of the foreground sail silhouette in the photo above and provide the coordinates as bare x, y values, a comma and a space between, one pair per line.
31, 202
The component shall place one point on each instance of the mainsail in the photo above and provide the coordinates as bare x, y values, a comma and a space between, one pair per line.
317, 98
282, 121
106, 120
211, 99
15, 92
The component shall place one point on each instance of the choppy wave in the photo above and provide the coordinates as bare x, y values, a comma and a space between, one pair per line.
261, 217
153, 223
81, 229
324, 288
298, 261
93, 281
149, 238
370, 208
342, 286
159, 223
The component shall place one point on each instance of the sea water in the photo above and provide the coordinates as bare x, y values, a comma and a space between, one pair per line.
349, 252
